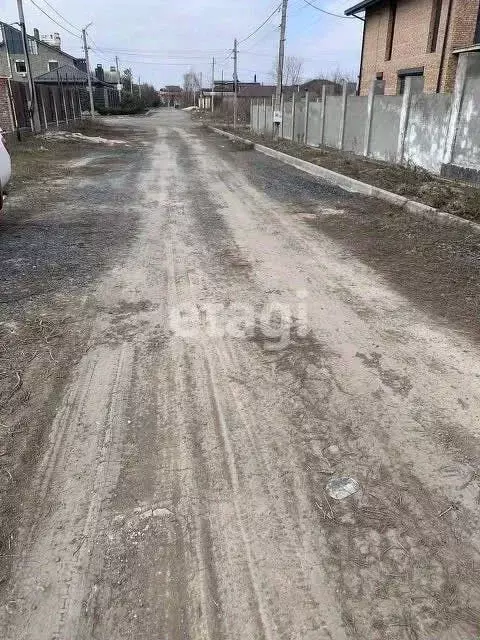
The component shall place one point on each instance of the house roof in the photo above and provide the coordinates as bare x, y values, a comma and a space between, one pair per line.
68, 74
361, 6
6, 27
257, 91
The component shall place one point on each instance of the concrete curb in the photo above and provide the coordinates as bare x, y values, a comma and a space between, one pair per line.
356, 186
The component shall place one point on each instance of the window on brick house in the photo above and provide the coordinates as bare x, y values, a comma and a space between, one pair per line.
417, 80
391, 29
434, 25
20, 66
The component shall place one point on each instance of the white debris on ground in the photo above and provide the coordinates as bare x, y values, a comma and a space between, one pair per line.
69, 135
190, 109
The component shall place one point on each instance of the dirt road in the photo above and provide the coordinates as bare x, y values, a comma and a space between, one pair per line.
222, 335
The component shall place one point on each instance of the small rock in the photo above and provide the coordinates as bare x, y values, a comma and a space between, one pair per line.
333, 450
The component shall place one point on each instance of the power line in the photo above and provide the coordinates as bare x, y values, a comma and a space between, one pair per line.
162, 51
329, 13
60, 15
53, 20
262, 25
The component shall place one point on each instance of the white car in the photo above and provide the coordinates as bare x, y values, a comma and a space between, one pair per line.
5, 166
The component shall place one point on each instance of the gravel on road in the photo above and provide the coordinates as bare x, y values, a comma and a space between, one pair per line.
235, 401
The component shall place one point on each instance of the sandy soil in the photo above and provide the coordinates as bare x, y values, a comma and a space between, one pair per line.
218, 336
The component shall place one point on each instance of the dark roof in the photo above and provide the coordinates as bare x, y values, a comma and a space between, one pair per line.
256, 91
318, 83
68, 74
12, 32
361, 6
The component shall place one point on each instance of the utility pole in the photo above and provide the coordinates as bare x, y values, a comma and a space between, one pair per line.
235, 82
119, 84
213, 84
32, 103
281, 55
89, 78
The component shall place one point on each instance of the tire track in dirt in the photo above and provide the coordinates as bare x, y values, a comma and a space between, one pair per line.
47, 602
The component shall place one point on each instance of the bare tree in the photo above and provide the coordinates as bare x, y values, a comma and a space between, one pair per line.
292, 71
339, 75
191, 86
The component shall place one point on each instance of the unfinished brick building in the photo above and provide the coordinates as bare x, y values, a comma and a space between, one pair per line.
417, 38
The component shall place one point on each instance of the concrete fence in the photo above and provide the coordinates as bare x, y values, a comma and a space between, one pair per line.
438, 132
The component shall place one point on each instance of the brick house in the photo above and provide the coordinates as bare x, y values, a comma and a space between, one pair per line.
45, 54
417, 38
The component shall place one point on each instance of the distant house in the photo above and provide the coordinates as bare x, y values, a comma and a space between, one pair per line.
45, 54
420, 39
60, 81
171, 96
315, 88
110, 76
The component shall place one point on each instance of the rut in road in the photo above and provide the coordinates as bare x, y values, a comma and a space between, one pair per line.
183, 494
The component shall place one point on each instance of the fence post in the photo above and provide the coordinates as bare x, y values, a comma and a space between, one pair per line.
40, 95
79, 103
264, 114
404, 114
64, 105
293, 116
343, 116
272, 128
72, 101
456, 108
322, 114
368, 123
282, 108
55, 104
305, 128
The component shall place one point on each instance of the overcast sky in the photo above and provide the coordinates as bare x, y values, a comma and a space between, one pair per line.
162, 39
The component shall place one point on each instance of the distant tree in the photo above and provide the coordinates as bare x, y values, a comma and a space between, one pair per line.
292, 71
191, 86
127, 80
339, 75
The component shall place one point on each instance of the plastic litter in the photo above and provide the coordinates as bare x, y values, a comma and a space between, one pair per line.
340, 488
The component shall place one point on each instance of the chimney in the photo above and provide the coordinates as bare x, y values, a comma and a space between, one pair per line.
36, 34
99, 73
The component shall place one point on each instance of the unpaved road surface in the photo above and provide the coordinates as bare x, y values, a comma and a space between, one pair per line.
211, 337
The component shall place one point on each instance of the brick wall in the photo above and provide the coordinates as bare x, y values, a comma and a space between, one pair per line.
462, 32
6, 122
411, 42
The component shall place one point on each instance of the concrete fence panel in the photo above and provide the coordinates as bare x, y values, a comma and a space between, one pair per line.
287, 120
466, 149
269, 117
253, 116
385, 127
333, 118
427, 130
299, 120
314, 122
355, 122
